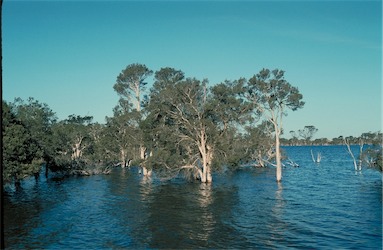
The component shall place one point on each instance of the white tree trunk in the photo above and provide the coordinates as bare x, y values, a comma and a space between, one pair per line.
76, 149
123, 158
137, 90
361, 144
278, 157
145, 171
351, 154
277, 129
207, 156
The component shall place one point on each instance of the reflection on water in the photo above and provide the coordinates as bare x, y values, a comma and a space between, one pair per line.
321, 206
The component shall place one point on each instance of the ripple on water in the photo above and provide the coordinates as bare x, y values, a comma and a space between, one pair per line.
321, 206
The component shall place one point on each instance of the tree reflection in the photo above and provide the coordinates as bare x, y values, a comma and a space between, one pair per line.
206, 219
277, 225
189, 215
145, 188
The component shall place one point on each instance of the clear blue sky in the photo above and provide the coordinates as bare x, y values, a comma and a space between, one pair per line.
68, 54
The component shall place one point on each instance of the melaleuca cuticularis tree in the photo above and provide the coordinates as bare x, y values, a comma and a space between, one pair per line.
273, 96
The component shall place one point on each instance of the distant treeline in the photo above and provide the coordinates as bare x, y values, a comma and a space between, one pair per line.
366, 138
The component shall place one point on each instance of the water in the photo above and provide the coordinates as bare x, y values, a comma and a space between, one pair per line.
317, 206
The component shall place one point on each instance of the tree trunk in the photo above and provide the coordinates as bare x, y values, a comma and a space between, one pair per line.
145, 171
361, 144
209, 160
278, 154
123, 158
207, 157
137, 90
209, 178
350, 152
203, 177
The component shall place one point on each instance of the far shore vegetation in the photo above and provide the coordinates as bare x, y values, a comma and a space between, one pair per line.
181, 125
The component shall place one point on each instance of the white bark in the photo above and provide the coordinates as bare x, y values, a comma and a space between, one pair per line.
77, 149
278, 158
123, 158
145, 171
277, 143
350, 152
207, 157
361, 144
137, 92
318, 158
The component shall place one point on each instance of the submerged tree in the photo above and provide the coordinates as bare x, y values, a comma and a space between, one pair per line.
371, 155
74, 145
259, 144
38, 119
122, 138
187, 121
22, 155
273, 96
130, 85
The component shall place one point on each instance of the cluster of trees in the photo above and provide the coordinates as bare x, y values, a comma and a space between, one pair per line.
32, 138
178, 125
183, 124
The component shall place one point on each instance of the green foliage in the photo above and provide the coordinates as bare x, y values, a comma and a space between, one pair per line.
188, 121
270, 91
122, 137
38, 119
259, 144
177, 117
22, 155
74, 143
130, 84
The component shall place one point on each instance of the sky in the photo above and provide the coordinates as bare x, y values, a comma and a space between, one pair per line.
68, 54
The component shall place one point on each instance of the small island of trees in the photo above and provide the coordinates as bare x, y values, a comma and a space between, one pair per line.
180, 125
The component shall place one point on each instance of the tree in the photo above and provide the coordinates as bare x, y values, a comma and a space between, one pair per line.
182, 111
122, 137
38, 119
22, 156
348, 142
129, 86
231, 113
272, 95
131, 83
74, 145
187, 121
307, 133
259, 146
